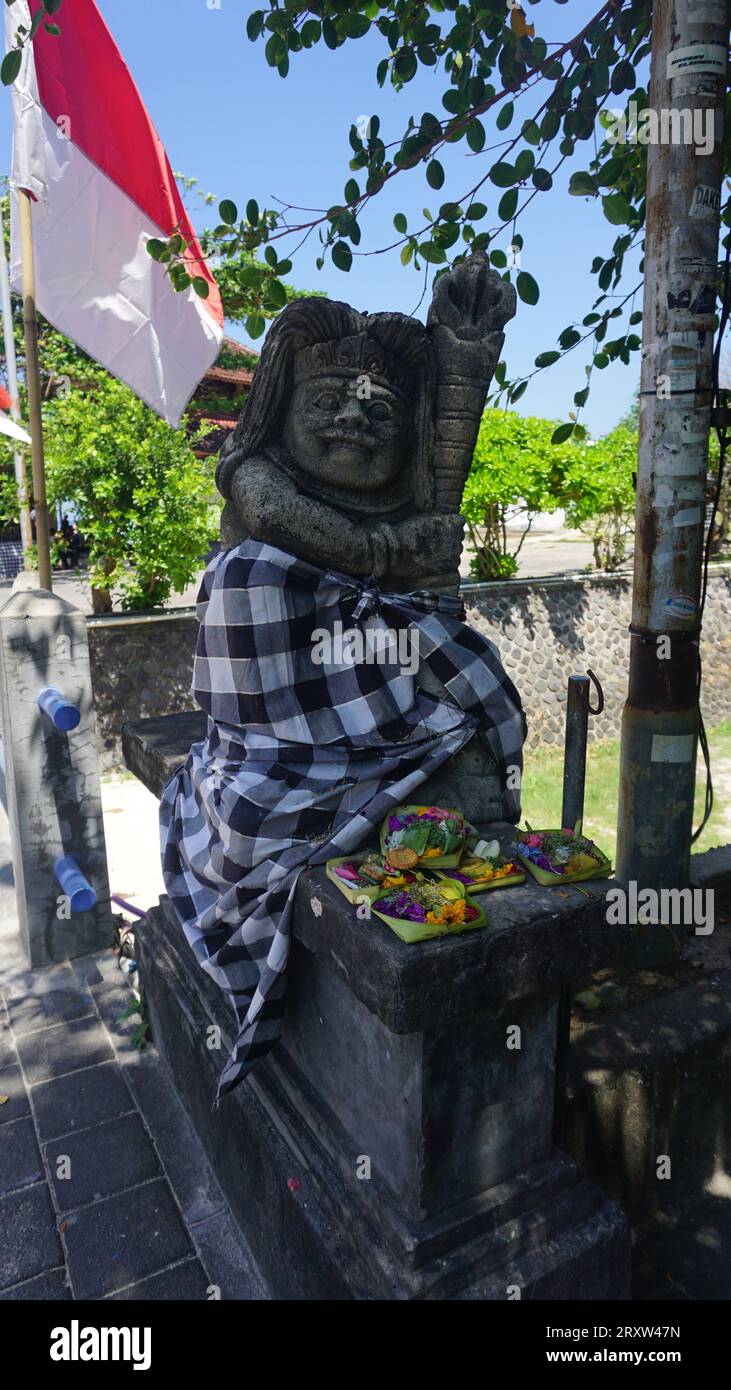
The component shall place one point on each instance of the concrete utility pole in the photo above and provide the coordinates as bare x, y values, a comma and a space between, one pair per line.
684, 167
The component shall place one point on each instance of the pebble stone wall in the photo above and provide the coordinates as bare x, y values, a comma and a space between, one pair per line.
545, 629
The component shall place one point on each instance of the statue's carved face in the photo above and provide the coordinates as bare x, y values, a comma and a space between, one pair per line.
346, 431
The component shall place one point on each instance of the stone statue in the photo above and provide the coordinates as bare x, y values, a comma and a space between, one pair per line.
353, 449
357, 437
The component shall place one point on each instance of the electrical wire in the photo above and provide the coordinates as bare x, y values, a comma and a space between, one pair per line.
719, 423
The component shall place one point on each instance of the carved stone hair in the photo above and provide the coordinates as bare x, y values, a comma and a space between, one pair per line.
306, 323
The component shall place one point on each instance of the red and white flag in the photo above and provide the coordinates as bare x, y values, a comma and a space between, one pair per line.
85, 148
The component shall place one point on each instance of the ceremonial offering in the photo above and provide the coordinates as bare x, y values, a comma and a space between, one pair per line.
561, 856
365, 874
428, 836
489, 869
424, 910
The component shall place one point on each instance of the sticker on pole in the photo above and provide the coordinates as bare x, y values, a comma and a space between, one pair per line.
698, 57
706, 201
681, 606
707, 11
672, 748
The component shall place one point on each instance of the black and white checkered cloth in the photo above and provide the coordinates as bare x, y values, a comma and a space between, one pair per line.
303, 760
11, 559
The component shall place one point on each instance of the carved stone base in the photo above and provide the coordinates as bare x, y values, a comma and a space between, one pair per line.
403, 1155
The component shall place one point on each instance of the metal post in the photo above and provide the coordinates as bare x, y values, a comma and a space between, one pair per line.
33, 385
574, 760
26, 530
660, 720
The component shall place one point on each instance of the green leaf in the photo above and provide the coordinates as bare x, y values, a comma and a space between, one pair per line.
524, 164
562, 433
400, 222
406, 253
476, 211
505, 116
255, 325
434, 174
542, 180
352, 191
52, 6
255, 24
405, 65
531, 133
475, 134
310, 32
228, 212
275, 50
155, 247
353, 25
508, 204
201, 286
342, 255
517, 391
252, 212
503, 175
10, 66
53, 29
432, 253
527, 288
550, 125
546, 359
275, 295
582, 184
616, 209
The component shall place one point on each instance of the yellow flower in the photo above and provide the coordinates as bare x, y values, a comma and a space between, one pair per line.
452, 912
394, 882
431, 853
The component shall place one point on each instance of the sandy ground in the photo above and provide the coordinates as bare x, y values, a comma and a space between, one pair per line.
133, 842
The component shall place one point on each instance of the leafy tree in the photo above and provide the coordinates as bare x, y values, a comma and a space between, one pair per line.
602, 500
543, 103
144, 499
489, 63
516, 473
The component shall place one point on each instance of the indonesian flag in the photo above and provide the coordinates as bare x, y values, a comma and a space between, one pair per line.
85, 148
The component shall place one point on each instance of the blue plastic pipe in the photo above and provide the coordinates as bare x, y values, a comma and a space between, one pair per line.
73, 883
60, 711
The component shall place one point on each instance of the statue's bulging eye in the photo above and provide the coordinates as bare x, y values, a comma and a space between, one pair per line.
327, 401
378, 410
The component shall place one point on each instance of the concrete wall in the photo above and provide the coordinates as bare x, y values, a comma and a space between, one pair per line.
545, 629
141, 665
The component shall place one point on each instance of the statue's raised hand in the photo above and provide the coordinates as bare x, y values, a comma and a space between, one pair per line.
430, 545
472, 300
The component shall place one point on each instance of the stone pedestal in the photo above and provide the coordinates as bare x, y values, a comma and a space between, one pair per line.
52, 778
398, 1142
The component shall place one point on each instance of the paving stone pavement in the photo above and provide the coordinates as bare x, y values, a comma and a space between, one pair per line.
105, 1192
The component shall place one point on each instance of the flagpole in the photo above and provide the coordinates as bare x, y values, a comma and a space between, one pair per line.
33, 385
26, 530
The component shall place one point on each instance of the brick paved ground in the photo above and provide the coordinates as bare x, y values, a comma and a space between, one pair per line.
104, 1189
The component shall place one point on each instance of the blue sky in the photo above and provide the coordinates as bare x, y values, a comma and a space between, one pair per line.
229, 120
